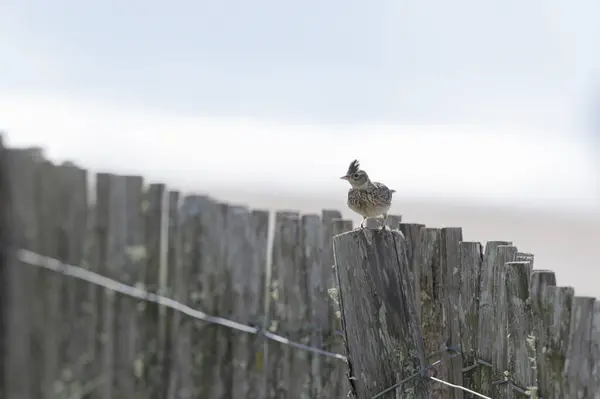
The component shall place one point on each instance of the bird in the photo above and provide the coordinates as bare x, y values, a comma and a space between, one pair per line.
368, 199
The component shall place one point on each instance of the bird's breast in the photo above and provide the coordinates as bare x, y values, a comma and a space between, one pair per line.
369, 203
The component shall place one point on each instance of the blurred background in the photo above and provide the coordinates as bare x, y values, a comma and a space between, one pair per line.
484, 115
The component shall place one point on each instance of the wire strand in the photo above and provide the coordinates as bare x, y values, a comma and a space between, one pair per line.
459, 387
418, 373
56, 265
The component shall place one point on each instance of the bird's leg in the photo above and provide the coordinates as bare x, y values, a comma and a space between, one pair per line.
362, 226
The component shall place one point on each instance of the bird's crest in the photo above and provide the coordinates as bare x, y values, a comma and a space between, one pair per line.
353, 168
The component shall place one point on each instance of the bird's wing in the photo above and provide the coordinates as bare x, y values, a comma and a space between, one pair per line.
380, 186
384, 187
384, 191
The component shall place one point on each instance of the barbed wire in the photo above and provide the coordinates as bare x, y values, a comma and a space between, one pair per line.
420, 373
423, 372
56, 265
46, 262
459, 387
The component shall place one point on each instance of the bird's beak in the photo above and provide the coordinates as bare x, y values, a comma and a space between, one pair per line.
344, 177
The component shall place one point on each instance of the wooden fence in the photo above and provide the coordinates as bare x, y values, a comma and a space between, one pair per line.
394, 302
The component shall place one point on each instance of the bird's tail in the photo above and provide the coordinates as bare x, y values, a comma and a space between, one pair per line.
392, 191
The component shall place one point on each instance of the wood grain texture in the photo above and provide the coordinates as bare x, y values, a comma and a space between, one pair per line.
521, 344
312, 238
578, 365
471, 260
342, 380
192, 379
153, 327
289, 372
431, 301
487, 326
275, 352
130, 345
188, 286
412, 233
297, 368
378, 309
256, 287
120, 224
542, 311
239, 258
212, 359
560, 302
504, 254
333, 381
451, 275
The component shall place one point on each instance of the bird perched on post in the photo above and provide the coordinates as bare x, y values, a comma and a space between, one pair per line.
368, 199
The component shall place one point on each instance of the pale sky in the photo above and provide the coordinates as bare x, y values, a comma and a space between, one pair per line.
488, 100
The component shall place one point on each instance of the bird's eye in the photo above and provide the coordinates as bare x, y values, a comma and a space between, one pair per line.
356, 176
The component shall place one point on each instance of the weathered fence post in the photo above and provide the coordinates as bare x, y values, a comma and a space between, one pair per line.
120, 235
505, 253
471, 259
542, 312
332, 379
412, 233
487, 326
383, 336
343, 371
184, 255
289, 372
451, 276
578, 367
177, 342
73, 216
312, 237
221, 271
247, 270
259, 222
560, 303
521, 344
430, 282
238, 261
207, 290
34, 293
153, 328
51, 241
